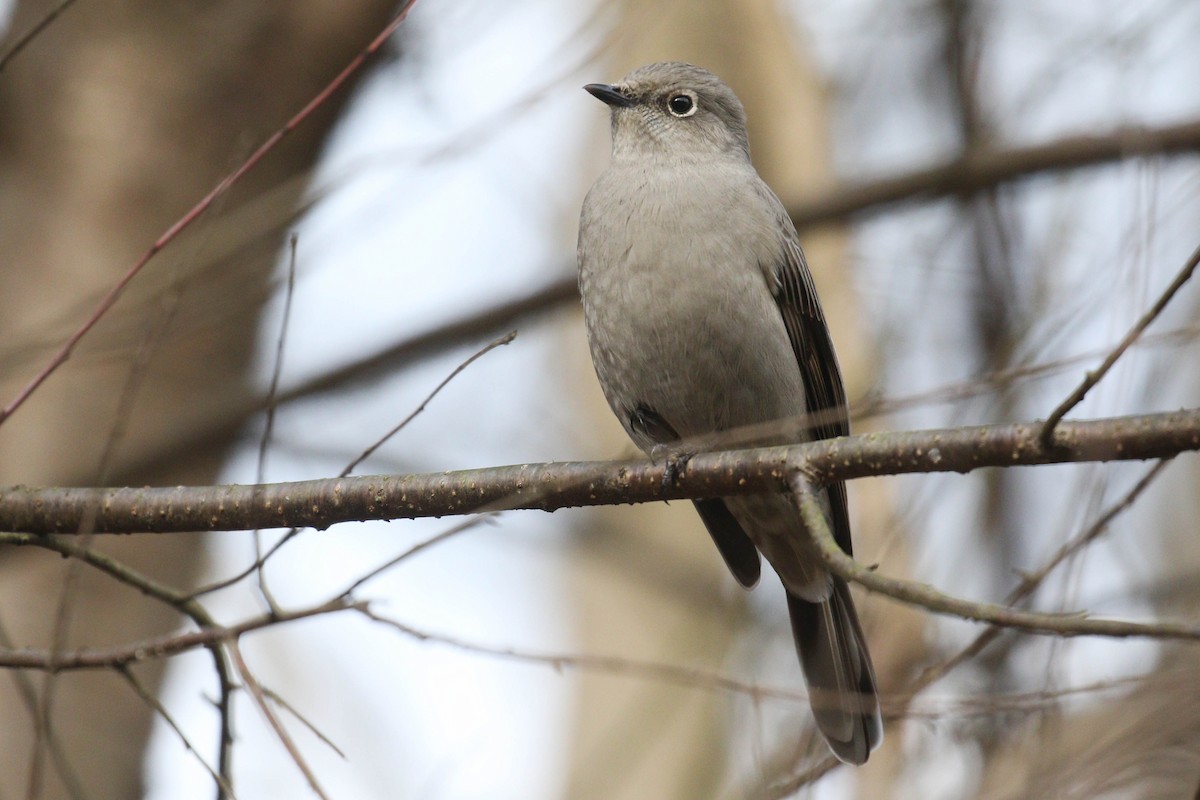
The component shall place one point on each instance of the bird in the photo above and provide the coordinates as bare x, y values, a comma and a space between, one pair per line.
702, 318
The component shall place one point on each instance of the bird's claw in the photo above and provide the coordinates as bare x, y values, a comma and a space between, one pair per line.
675, 462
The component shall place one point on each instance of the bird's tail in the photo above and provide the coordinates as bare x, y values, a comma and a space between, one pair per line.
837, 668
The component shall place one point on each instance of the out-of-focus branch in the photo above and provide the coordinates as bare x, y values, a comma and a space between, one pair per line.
986, 168
110, 299
34, 32
321, 503
375, 366
794, 784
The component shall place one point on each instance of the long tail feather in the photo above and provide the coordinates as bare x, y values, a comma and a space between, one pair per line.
837, 668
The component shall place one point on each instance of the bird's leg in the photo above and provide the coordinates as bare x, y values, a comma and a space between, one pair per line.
644, 421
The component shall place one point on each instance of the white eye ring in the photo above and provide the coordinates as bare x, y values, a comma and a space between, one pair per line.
682, 104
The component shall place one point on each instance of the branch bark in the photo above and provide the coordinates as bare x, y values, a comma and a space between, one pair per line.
922, 595
551, 486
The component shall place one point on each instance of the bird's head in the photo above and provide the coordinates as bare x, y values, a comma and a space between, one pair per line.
674, 109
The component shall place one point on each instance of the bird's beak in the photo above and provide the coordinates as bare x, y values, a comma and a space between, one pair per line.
608, 94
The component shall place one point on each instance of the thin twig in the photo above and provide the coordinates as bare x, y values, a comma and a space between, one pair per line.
159, 647
989, 382
149, 699
1094, 377
503, 340
238, 577
1030, 582
612, 665
261, 558
277, 368
269, 428
256, 691
278, 700
417, 548
185, 604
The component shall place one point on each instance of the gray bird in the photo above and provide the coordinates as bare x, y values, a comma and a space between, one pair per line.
702, 318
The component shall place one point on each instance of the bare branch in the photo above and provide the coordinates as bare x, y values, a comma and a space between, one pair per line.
986, 168
264, 441
1095, 376
149, 699
927, 597
278, 700
260, 699
671, 674
321, 503
492, 345
1031, 581
185, 604
161, 646
289, 294
419, 547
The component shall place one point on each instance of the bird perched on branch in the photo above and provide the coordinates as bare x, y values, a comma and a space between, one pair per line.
702, 318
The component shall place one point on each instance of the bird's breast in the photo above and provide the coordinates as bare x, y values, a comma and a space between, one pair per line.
680, 317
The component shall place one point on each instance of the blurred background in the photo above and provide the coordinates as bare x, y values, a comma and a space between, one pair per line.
599, 653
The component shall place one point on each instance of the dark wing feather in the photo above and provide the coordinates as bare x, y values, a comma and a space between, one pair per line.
824, 395
727, 534
740, 554
829, 639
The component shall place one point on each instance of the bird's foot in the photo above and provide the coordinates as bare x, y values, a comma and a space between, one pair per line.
675, 459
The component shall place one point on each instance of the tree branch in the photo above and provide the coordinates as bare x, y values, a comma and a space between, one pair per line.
987, 168
927, 597
1031, 581
324, 502
1094, 377
162, 646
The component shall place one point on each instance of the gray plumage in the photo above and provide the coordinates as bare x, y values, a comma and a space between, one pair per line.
702, 317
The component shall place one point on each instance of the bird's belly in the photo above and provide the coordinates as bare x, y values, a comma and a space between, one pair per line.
704, 351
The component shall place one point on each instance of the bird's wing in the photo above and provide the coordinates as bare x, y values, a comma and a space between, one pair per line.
740, 554
824, 395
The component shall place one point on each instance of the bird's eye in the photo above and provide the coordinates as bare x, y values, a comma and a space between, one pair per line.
682, 105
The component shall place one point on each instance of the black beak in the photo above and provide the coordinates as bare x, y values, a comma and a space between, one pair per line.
608, 94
